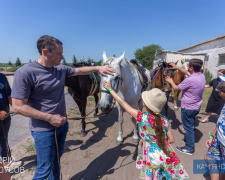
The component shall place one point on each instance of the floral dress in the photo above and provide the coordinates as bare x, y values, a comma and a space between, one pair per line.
152, 161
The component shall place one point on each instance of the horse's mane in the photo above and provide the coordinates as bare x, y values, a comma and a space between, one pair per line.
110, 60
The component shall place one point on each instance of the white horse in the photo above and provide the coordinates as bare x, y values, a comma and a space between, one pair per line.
127, 84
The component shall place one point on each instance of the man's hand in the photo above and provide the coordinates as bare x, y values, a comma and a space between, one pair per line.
107, 85
104, 70
208, 142
3, 115
168, 79
174, 66
57, 120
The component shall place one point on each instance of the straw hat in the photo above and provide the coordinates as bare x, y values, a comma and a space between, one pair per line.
154, 99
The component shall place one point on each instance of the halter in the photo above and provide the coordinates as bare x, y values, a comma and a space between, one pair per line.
165, 82
119, 81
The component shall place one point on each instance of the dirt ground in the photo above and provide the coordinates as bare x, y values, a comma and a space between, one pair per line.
97, 156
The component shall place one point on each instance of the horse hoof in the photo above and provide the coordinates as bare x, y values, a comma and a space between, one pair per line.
95, 115
119, 142
83, 133
135, 140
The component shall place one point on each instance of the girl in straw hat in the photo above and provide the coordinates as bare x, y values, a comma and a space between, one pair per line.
156, 157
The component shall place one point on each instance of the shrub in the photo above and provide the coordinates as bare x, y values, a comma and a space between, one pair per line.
208, 76
13, 69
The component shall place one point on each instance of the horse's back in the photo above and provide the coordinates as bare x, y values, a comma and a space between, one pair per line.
144, 74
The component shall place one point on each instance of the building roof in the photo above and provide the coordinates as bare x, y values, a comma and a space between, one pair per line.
177, 52
213, 39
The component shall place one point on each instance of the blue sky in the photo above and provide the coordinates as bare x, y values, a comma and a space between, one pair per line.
87, 27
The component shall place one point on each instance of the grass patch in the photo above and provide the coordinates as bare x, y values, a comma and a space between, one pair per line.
30, 148
205, 97
90, 98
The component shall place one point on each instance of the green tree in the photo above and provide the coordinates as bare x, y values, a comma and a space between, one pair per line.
146, 55
89, 60
208, 76
74, 59
98, 63
18, 63
9, 63
64, 62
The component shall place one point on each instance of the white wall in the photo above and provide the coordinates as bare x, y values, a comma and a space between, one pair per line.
212, 49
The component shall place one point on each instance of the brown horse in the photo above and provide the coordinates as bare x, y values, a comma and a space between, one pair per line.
158, 80
177, 79
80, 87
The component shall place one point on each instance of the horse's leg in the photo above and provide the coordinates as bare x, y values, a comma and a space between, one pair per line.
135, 136
176, 93
83, 113
120, 119
82, 106
96, 103
166, 105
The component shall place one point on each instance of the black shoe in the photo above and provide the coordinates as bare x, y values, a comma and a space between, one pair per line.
184, 150
183, 140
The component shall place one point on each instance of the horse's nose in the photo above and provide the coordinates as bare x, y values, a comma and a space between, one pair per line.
106, 108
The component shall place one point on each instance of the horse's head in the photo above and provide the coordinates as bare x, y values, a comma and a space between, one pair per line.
115, 80
184, 65
167, 71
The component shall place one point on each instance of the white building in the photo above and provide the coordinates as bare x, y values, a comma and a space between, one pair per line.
215, 53
173, 56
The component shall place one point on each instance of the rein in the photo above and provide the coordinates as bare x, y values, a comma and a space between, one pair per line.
100, 115
156, 74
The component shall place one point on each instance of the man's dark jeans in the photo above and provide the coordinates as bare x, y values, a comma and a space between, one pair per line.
4, 138
188, 119
45, 146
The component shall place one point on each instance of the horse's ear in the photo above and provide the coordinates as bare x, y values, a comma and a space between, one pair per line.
104, 57
182, 62
176, 62
120, 58
164, 64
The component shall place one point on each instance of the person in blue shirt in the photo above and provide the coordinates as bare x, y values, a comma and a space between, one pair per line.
5, 122
216, 142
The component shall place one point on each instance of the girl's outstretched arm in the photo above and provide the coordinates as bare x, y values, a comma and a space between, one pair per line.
133, 112
170, 136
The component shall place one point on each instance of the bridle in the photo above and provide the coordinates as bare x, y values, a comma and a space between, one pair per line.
119, 82
169, 75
